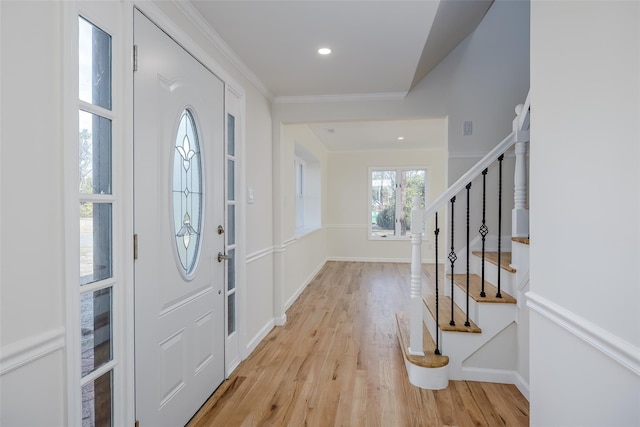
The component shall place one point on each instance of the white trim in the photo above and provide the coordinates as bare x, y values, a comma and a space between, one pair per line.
283, 248
302, 287
352, 97
346, 226
500, 376
616, 348
28, 350
259, 254
218, 42
251, 345
521, 384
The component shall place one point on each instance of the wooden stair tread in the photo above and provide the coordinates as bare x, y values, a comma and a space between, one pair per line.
445, 315
492, 257
475, 287
523, 240
430, 359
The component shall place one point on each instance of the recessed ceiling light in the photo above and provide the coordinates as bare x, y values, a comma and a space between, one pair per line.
324, 51
400, 138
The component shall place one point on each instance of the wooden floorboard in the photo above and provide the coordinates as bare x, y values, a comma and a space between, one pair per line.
337, 362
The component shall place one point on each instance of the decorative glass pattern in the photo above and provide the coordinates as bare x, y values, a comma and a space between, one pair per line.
187, 193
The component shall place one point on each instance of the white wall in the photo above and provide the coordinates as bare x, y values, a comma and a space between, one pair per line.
348, 214
302, 254
32, 308
585, 217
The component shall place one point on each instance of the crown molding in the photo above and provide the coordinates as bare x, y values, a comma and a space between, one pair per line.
218, 42
354, 97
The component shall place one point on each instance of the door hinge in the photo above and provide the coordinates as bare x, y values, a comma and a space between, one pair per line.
135, 57
135, 247
137, 423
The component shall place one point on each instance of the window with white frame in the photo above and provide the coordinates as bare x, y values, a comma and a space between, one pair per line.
390, 200
300, 166
307, 175
97, 279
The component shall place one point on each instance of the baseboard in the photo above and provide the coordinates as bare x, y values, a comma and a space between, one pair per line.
28, 350
501, 376
260, 336
522, 385
609, 344
280, 321
302, 287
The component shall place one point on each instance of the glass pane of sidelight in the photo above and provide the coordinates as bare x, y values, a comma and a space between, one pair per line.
97, 406
383, 203
94, 58
95, 321
231, 313
94, 154
231, 185
231, 270
187, 193
231, 135
231, 224
95, 242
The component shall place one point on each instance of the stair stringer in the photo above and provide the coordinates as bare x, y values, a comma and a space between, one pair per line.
458, 346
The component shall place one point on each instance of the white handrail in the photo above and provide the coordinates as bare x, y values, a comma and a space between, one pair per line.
470, 175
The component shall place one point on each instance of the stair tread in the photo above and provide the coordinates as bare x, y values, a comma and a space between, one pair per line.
523, 240
492, 257
475, 287
445, 315
430, 359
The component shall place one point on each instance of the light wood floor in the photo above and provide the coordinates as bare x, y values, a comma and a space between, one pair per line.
337, 362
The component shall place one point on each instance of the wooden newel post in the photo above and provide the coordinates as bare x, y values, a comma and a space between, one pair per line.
416, 347
520, 214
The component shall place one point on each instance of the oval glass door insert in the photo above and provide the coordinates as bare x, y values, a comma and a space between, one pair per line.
187, 193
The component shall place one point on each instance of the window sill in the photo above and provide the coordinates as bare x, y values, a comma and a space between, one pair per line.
301, 232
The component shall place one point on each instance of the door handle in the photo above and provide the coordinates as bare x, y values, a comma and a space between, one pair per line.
222, 256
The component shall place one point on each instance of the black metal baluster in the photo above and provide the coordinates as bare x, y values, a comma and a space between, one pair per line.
452, 259
483, 228
436, 232
500, 159
467, 323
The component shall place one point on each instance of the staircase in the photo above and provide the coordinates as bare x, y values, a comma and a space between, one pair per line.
470, 322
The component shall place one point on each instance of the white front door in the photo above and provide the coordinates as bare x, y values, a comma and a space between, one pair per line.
179, 203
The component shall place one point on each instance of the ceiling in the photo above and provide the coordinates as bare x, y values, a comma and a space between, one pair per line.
380, 48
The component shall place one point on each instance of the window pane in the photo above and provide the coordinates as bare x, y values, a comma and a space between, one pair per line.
96, 401
413, 185
231, 185
231, 270
383, 203
187, 193
95, 154
95, 320
231, 313
231, 232
94, 64
95, 242
231, 137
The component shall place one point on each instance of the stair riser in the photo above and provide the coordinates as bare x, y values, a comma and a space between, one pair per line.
491, 274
